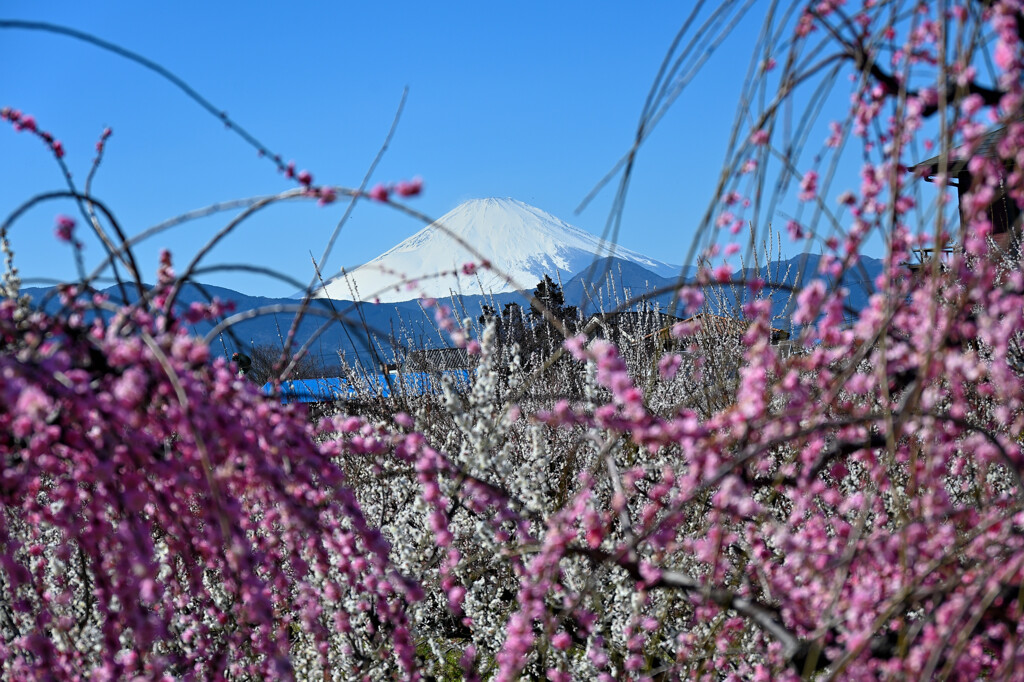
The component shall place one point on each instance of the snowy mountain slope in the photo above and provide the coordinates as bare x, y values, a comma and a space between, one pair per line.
519, 239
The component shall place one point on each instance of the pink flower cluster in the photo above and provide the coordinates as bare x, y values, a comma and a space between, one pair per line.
180, 510
27, 122
65, 228
403, 188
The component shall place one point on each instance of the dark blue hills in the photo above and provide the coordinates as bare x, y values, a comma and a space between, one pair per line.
359, 329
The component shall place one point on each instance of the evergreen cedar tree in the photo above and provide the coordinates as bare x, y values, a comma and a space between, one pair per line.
532, 331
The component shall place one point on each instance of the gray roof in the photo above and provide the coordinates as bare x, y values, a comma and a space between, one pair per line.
957, 158
437, 359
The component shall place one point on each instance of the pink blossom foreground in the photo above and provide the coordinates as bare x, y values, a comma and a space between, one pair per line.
849, 507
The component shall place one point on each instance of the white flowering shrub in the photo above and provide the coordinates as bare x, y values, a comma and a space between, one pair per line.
720, 507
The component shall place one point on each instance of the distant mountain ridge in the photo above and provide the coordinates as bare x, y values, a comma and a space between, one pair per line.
624, 282
602, 286
609, 283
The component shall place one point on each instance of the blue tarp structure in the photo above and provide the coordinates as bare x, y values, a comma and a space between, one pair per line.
312, 390
337, 388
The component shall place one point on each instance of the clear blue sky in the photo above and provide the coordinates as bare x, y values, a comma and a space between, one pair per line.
533, 100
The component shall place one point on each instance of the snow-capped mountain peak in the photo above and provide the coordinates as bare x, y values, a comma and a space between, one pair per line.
518, 239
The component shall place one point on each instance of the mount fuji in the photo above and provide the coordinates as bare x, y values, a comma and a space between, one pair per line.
516, 238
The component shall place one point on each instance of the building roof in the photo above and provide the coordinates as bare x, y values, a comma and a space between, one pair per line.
438, 359
958, 158
312, 390
722, 326
632, 324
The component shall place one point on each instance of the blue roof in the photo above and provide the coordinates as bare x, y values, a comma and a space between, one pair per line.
337, 388
312, 390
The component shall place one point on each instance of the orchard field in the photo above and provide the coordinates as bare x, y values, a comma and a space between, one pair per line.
710, 505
